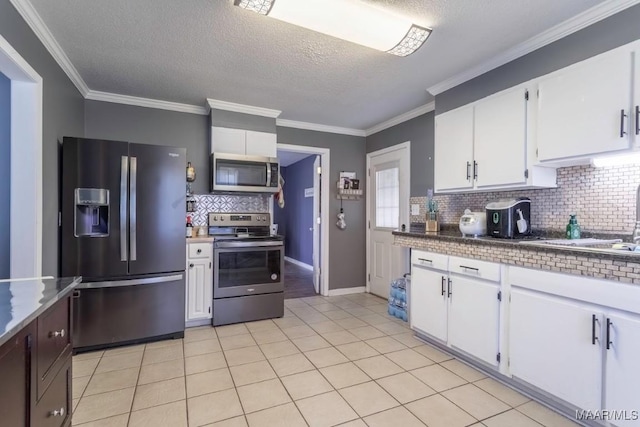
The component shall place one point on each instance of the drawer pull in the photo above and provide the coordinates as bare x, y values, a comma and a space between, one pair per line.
55, 334
425, 260
58, 412
199, 251
475, 270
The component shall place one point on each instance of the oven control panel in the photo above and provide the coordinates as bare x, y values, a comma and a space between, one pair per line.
239, 219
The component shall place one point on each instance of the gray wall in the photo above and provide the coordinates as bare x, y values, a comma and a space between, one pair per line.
5, 176
119, 122
420, 131
233, 120
600, 37
347, 254
63, 114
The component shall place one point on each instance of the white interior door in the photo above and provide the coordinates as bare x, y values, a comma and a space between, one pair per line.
316, 224
388, 184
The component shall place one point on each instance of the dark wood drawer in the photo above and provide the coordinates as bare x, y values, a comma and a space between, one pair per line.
54, 340
15, 378
54, 408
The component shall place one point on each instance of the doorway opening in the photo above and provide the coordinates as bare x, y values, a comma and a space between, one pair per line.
301, 221
25, 212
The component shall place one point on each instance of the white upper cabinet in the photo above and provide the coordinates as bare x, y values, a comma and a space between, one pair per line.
453, 153
587, 109
246, 142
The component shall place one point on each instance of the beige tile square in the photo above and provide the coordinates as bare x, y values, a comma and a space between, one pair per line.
325, 357
213, 407
385, 344
172, 414
374, 319
438, 378
392, 328
463, 370
408, 339
204, 362
283, 415
201, 347
312, 318
394, 417
103, 405
159, 393
110, 381
165, 343
263, 395
378, 367
289, 365
322, 308
361, 311
252, 373
117, 421
436, 411
244, 355
299, 331
544, 416
236, 341
74, 404
409, 359
79, 384
261, 326
475, 401
230, 330
306, 384
328, 326
405, 387
355, 423
502, 392
432, 353
350, 322
315, 300
163, 354
368, 398
295, 302
279, 349
511, 418
315, 410
341, 337
310, 343
199, 334
124, 350
122, 361
208, 382
357, 350
344, 375
161, 371
269, 336
367, 332
231, 422
84, 368
87, 356
288, 322
337, 314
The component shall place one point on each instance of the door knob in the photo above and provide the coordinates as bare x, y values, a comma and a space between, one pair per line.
56, 334
57, 412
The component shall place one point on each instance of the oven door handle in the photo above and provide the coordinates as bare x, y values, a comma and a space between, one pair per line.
248, 244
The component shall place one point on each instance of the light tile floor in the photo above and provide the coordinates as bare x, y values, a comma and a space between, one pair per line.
329, 361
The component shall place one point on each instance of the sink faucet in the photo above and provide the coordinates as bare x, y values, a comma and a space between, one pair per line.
636, 230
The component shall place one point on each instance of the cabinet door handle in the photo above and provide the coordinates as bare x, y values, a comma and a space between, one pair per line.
190, 265
622, 117
637, 119
468, 171
422, 260
58, 412
475, 170
609, 325
449, 288
55, 334
594, 321
443, 280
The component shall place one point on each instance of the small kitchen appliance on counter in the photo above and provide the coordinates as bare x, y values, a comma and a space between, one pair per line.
248, 281
509, 218
473, 223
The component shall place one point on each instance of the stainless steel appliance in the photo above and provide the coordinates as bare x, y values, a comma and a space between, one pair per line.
509, 218
122, 229
253, 174
248, 281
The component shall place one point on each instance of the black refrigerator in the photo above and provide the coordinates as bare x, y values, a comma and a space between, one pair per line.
122, 230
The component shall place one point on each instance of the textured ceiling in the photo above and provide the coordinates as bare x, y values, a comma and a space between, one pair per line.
189, 50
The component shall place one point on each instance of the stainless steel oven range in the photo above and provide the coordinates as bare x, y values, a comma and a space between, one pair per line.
248, 269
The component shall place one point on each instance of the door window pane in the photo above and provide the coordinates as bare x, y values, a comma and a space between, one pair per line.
388, 198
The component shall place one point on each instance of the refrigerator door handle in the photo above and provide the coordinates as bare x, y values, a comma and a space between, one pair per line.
124, 195
134, 282
133, 208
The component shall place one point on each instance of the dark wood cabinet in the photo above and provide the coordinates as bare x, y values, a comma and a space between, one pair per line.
15, 378
54, 408
53, 344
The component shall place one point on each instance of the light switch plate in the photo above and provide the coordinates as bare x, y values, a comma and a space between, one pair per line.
415, 209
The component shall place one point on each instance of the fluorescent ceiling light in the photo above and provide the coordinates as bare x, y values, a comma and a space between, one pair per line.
349, 20
624, 159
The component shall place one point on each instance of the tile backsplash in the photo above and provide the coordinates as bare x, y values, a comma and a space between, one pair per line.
206, 203
603, 198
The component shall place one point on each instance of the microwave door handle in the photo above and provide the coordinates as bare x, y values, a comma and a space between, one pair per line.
268, 175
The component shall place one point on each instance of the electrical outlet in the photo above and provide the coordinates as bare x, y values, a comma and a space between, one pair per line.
415, 209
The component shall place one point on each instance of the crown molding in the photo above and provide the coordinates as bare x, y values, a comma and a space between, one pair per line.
37, 25
570, 26
426, 108
319, 127
95, 95
241, 108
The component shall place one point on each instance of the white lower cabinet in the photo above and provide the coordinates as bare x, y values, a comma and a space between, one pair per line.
199, 291
429, 301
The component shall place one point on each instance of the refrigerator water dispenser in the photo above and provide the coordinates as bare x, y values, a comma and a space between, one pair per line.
91, 212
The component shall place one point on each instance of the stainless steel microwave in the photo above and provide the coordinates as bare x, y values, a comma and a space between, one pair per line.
251, 174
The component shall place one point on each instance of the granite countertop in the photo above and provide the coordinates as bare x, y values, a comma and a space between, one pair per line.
200, 239
535, 242
21, 301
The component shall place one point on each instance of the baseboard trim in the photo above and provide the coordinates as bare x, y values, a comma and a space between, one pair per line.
198, 322
347, 291
299, 263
